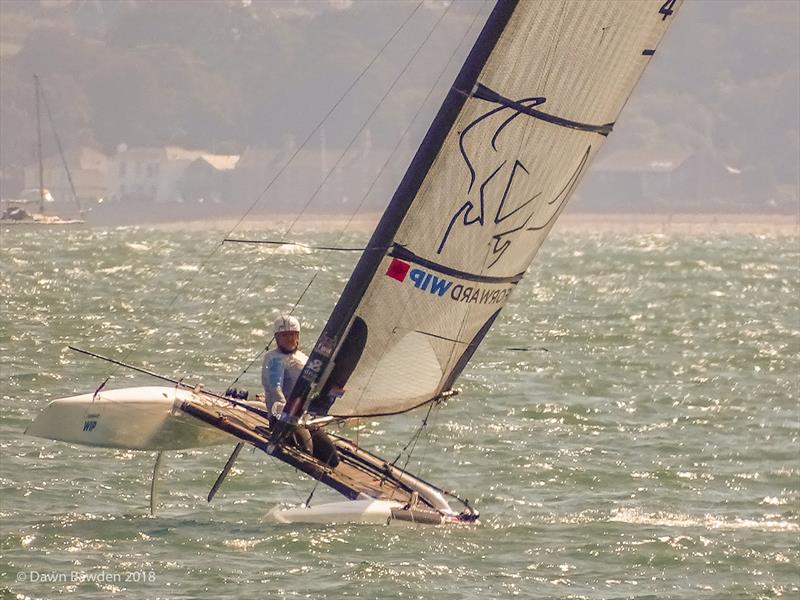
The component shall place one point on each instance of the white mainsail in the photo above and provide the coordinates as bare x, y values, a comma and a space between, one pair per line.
527, 114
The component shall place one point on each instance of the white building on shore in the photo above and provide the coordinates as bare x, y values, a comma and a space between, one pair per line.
158, 174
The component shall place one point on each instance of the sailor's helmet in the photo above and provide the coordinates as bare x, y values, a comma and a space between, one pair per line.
286, 323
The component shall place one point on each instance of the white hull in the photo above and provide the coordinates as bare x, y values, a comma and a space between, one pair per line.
350, 511
140, 418
367, 511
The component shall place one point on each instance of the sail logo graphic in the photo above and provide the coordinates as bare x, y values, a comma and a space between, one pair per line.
399, 269
444, 288
505, 194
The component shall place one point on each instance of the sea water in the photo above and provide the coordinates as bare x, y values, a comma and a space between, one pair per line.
629, 428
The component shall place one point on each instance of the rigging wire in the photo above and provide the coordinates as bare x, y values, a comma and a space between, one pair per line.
333, 169
427, 424
427, 446
322, 122
413, 441
341, 157
299, 245
251, 276
391, 155
217, 247
269, 343
371, 114
350, 145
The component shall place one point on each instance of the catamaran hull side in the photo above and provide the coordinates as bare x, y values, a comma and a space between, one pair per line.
352, 511
367, 511
139, 418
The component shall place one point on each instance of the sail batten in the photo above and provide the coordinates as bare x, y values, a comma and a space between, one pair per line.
538, 95
484, 93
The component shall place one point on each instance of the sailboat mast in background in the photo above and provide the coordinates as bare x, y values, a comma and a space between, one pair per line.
39, 142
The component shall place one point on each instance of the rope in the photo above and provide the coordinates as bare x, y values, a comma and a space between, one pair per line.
435, 400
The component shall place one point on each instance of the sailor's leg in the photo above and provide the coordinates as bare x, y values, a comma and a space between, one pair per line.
324, 449
302, 439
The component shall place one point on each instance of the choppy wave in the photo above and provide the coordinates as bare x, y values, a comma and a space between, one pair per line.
638, 517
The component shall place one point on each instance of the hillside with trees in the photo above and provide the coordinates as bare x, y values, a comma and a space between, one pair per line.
227, 75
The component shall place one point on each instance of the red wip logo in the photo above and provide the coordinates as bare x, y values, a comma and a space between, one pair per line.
398, 269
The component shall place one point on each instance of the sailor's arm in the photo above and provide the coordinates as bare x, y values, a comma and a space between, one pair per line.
272, 380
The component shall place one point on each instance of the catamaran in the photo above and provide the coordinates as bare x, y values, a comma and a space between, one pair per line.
532, 105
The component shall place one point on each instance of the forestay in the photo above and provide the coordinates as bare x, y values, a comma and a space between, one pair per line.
530, 109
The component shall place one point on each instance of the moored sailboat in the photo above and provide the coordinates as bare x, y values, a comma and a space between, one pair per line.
23, 211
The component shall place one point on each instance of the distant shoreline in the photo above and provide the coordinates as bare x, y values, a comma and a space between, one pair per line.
693, 224
680, 223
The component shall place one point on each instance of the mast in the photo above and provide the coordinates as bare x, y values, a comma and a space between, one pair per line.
39, 143
383, 236
60, 152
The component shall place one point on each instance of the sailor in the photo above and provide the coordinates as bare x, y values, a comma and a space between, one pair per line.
282, 366
280, 371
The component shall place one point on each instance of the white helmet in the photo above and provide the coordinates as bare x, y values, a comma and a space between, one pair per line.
286, 323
